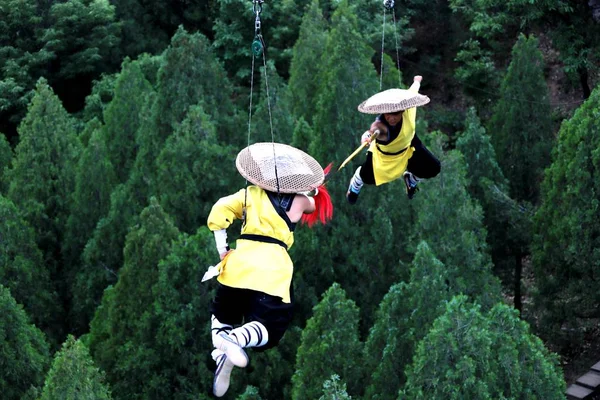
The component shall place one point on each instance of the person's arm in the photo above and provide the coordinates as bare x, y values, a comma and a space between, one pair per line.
375, 126
416, 85
223, 213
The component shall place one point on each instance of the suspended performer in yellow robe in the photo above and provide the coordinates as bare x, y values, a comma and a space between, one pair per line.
396, 151
253, 303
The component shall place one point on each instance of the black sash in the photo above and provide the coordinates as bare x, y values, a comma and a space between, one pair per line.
264, 239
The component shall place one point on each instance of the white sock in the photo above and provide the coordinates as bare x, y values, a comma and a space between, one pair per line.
252, 334
356, 183
216, 327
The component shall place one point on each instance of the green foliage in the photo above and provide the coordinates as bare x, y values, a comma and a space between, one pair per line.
61, 41
122, 117
120, 333
308, 50
24, 353
347, 78
461, 243
567, 230
251, 393
273, 119
523, 148
234, 33
333, 389
470, 354
191, 72
23, 272
507, 221
190, 170
329, 345
477, 71
81, 34
73, 375
94, 182
302, 134
404, 317
5, 161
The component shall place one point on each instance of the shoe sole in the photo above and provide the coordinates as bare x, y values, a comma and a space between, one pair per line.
234, 352
222, 376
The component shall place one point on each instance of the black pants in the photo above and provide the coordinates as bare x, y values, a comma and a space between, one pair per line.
234, 306
423, 164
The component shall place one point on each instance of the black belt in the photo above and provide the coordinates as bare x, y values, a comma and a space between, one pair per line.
391, 154
264, 239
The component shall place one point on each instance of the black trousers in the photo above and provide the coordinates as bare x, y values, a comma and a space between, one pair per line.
235, 306
423, 164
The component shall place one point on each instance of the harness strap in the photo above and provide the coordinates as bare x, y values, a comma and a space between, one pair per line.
262, 238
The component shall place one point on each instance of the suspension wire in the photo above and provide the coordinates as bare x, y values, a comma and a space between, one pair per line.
258, 48
382, 51
397, 47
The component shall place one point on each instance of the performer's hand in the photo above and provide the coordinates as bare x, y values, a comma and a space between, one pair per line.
366, 138
223, 255
418, 78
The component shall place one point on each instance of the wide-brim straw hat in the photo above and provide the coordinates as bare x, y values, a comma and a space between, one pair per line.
280, 168
391, 101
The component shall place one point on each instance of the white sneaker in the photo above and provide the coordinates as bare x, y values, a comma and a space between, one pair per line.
235, 353
222, 374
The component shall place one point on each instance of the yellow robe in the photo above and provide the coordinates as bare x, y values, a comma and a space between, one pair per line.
265, 267
387, 168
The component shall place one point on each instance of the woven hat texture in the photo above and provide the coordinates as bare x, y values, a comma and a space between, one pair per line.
391, 101
296, 170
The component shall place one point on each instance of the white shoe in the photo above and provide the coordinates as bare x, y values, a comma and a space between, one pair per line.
222, 374
235, 353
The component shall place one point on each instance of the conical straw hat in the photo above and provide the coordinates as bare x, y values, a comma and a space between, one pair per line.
391, 101
279, 168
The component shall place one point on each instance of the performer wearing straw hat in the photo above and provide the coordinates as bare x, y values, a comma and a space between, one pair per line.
255, 278
396, 150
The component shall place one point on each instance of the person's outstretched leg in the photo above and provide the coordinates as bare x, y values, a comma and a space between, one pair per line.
422, 165
363, 175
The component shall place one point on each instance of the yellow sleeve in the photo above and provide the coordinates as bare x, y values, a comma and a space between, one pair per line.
415, 87
226, 210
411, 113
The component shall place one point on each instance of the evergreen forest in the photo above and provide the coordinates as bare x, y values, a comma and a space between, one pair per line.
120, 122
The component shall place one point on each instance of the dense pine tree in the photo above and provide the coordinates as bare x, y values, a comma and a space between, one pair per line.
329, 345
24, 352
523, 148
404, 317
471, 354
122, 117
123, 326
5, 161
306, 62
567, 230
73, 375
22, 270
451, 222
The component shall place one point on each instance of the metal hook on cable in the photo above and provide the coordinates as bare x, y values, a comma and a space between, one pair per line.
258, 43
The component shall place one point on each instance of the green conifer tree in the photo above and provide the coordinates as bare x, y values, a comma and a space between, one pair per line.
404, 317
306, 62
5, 161
347, 78
122, 327
472, 354
24, 352
523, 148
122, 117
91, 201
24, 273
73, 375
508, 223
191, 170
566, 230
447, 214
333, 389
330, 345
